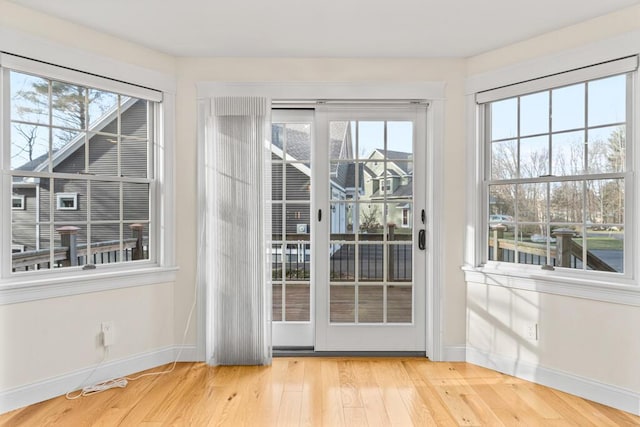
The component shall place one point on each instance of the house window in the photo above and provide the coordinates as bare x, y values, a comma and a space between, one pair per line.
17, 202
67, 201
85, 148
558, 175
405, 217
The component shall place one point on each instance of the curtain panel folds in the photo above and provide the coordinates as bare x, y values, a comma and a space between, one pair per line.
238, 226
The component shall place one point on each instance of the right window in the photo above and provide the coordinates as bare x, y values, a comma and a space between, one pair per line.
555, 177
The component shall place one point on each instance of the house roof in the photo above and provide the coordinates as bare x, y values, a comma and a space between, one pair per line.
299, 145
41, 163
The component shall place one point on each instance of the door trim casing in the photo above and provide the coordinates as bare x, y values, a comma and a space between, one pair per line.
434, 92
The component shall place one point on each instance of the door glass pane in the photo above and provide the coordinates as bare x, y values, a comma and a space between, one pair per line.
399, 139
370, 304
342, 262
342, 304
297, 141
277, 301
399, 301
371, 262
400, 263
370, 222
370, 142
297, 302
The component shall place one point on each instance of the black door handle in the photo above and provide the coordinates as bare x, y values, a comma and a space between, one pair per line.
422, 240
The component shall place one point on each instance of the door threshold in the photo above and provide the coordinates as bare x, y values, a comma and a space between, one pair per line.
310, 352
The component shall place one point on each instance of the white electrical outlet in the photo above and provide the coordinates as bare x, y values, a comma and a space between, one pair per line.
108, 333
531, 332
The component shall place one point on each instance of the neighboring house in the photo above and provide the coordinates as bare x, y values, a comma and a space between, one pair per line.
32, 197
373, 184
298, 176
396, 184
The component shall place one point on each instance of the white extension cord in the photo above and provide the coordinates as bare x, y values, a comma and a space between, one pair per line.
123, 381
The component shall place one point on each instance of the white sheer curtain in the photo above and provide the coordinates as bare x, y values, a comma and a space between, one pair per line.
237, 226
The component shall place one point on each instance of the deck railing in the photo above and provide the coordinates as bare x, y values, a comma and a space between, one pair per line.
71, 253
565, 253
293, 255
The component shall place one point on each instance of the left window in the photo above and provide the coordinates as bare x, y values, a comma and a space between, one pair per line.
80, 162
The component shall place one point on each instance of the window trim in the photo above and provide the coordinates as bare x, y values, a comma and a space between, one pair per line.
72, 281
614, 289
22, 204
60, 197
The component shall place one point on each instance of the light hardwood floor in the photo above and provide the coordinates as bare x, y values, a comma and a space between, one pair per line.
325, 392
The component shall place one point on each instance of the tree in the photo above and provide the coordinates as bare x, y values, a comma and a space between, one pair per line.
70, 107
30, 135
369, 220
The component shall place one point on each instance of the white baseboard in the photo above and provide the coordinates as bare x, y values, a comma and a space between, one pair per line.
596, 391
454, 353
52, 387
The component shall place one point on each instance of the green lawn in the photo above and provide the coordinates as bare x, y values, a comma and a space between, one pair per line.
602, 243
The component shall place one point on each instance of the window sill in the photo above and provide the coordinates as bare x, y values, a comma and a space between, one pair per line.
22, 289
619, 290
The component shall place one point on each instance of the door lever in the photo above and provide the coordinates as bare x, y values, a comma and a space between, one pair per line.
422, 240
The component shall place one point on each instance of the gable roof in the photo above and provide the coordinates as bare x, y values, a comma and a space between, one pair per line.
41, 163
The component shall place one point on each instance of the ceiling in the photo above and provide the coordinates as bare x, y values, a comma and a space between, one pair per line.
326, 28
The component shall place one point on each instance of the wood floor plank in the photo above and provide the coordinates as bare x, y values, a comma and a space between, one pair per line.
348, 385
332, 408
333, 392
355, 417
290, 409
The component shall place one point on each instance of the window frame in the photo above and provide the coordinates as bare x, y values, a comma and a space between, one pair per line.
159, 268
595, 285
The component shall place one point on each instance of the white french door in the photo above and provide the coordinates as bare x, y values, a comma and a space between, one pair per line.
370, 280
349, 273
293, 312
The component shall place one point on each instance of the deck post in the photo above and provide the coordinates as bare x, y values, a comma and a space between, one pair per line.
563, 246
391, 260
69, 239
137, 233
498, 233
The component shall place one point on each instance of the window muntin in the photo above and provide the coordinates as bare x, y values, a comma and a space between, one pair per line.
87, 155
556, 171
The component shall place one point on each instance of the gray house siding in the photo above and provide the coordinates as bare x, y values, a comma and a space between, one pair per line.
23, 231
103, 160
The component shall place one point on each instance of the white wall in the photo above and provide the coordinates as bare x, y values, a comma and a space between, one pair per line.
581, 341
